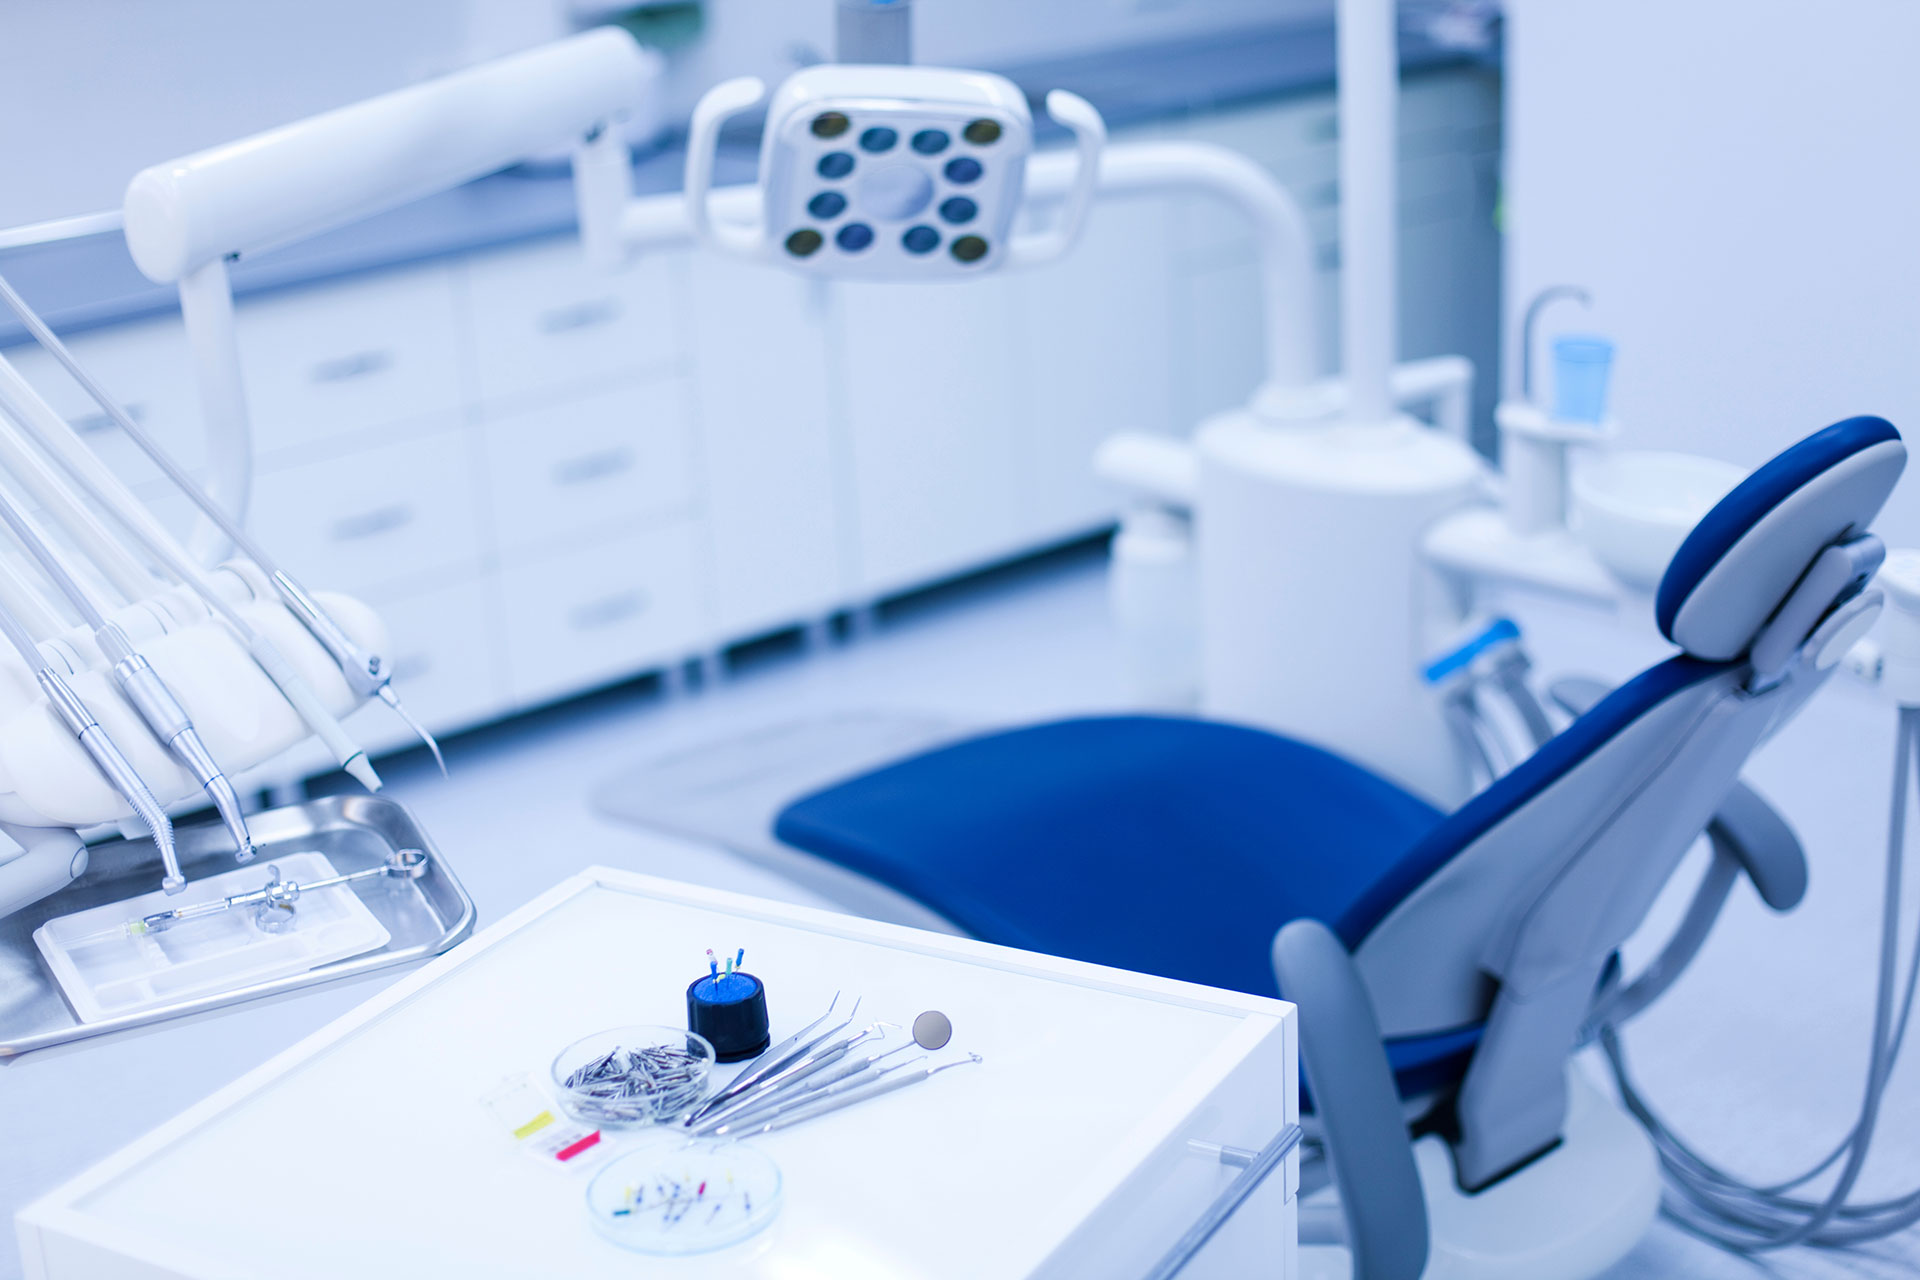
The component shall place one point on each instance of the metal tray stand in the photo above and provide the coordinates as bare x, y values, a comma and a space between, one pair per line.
423, 917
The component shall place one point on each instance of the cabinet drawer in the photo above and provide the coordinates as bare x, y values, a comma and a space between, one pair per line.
146, 367
542, 318
379, 516
444, 649
594, 615
596, 462
368, 352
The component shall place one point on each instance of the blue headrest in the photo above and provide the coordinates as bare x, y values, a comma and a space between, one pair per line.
1746, 555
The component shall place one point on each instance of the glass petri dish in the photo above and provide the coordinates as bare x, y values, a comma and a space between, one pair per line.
676, 1197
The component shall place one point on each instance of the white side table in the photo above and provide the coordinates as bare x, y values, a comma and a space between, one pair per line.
1088, 1143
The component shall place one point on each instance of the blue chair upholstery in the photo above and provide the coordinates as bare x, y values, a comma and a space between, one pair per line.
1175, 846
1179, 846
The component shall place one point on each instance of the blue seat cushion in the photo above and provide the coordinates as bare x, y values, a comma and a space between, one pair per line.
1163, 845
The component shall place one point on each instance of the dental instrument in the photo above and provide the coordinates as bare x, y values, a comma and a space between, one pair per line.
366, 674
281, 895
139, 682
852, 1076
107, 757
932, 1030
47, 429
774, 1058
808, 1110
632, 1075
802, 1068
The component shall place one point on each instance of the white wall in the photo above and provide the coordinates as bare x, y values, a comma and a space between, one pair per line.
1737, 183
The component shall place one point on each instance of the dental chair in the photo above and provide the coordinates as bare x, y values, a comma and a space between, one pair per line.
1446, 966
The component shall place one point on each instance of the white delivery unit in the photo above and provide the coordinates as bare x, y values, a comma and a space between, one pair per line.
1087, 1143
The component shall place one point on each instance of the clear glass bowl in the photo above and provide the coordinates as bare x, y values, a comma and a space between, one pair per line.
673, 1197
632, 1075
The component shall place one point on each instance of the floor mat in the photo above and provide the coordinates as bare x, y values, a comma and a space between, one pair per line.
728, 792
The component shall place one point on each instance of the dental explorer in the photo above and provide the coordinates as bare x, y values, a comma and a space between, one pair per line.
106, 756
366, 674
139, 682
50, 432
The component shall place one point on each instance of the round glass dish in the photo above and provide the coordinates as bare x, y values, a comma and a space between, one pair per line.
632, 1075
684, 1197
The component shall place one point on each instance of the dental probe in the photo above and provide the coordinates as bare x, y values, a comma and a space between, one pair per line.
142, 685
367, 674
402, 864
32, 415
106, 756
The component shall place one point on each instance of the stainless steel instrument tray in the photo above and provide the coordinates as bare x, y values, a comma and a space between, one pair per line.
423, 917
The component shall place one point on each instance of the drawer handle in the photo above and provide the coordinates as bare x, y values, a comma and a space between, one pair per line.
593, 466
373, 523
358, 365
581, 315
1254, 1168
88, 423
607, 611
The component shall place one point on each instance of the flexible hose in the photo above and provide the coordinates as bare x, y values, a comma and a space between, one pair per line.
1717, 1206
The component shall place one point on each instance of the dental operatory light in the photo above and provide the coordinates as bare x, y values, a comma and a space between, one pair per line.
889, 172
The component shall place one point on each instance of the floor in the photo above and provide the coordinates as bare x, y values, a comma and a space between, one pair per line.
1757, 1055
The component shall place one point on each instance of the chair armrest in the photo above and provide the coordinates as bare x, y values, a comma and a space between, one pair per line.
1366, 1135
1745, 828
1752, 832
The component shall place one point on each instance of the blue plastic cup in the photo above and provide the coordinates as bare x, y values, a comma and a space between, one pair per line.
1581, 367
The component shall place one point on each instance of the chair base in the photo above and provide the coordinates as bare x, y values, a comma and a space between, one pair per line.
1570, 1215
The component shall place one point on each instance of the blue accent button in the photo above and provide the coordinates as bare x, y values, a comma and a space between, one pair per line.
958, 209
835, 164
854, 237
920, 240
963, 169
878, 139
828, 204
930, 142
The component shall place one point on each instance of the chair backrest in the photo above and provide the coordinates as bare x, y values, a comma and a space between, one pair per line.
1512, 907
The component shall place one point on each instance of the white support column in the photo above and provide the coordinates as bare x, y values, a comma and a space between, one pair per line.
1369, 262
206, 305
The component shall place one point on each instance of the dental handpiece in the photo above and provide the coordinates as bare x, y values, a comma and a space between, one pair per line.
366, 674
170, 725
51, 434
94, 740
140, 683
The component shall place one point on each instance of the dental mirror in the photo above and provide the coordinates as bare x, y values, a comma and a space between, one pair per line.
932, 1030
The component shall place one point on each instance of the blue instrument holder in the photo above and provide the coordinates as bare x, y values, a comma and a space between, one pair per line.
730, 1011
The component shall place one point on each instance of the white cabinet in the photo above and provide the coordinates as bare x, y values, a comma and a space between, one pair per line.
1095, 333
598, 613
936, 424
776, 483
394, 514
146, 366
345, 358
587, 464
543, 320
445, 665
